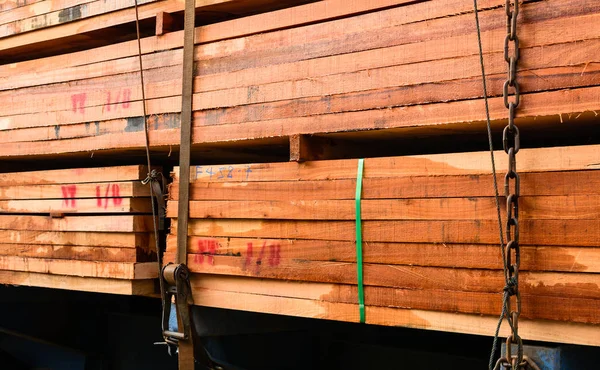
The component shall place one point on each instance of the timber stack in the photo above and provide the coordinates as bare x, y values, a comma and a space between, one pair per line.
85, 229
324, 83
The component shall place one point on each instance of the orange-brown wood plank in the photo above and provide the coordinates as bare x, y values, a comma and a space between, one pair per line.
68, 252
307, 80
533, 232
568, 158
71, 205
534, 307
115, 270
73, 238
258, 23
552, 331
26, 9
117, 223
269, 266
538, 184
478, 256
373, 61
13, 4
409, 16
74, 176
85, 284
582, 207
428, 118
53, 13
98, 191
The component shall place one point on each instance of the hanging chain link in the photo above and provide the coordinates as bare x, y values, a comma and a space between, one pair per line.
511, 143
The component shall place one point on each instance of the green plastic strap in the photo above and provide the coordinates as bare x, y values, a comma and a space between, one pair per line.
359, 253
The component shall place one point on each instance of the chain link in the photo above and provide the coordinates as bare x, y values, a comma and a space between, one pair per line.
512, 143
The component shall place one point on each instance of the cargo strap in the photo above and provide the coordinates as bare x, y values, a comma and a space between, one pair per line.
359, 252
174, 279
177, 276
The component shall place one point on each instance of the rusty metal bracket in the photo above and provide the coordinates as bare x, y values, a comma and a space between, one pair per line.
177, 290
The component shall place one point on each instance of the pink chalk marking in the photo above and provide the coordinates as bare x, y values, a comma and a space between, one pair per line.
98, 198
274, 254
116, 197
126, 98
78, 102
69, 192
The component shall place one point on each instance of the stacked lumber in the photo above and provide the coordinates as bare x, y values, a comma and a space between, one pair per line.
330, 67
62, 25
80, 229
280, 238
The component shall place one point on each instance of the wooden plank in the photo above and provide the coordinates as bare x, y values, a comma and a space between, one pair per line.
73, 205
568, 158
575, 285
538, 184
98, 191
427, 119
581, 207
354, 57
388, 28
85, 238
27, 9
84, 284
239, 27
280, 19
68, 252
534, 307
13, 4
479, 256
399, 16
533, 232
113, 270
50, 13
325, 76
388, 76
120, 223
75, 176
553, 331
164, 23
286, 113
121, 115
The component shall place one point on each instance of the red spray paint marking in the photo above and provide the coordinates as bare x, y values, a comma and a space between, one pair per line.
107, 105
116, 197
124, 102
78, 102
273, 259
207, 248
274, 254
249, 255
69, 192
102, 202
126, 98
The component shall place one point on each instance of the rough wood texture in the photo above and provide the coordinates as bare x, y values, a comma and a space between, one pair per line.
87, 222
285, 231
85, 284
382, 70
285, 298
24, 28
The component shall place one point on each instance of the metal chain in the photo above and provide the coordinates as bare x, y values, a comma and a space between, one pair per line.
512, 144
